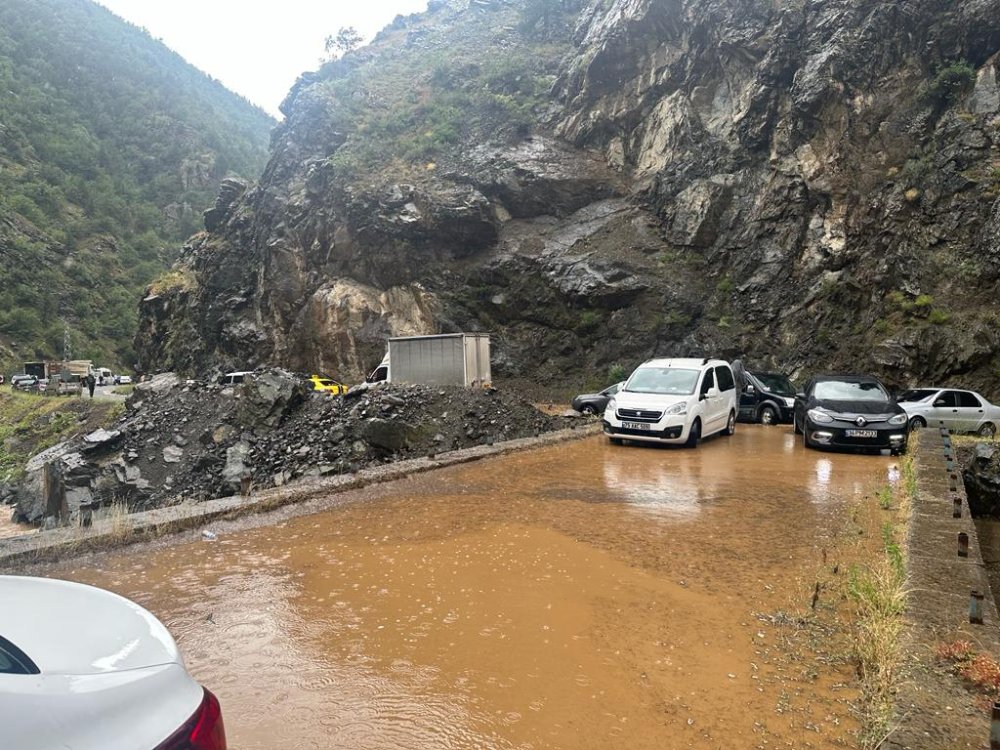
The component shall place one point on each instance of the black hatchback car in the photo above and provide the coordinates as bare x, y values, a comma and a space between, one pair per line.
850, 411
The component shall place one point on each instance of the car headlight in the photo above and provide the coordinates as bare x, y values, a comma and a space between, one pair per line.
819, 416
898, 419
681, 408
789, 402
612, 405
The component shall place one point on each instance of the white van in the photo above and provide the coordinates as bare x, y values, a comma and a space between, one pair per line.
674, 401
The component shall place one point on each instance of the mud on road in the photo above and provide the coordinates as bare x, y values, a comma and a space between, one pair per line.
579, 596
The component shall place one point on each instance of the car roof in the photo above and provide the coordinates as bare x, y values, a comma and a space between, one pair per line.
846, 378
694, 362
72, 629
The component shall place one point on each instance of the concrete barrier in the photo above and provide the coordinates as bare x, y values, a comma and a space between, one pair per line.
934, 710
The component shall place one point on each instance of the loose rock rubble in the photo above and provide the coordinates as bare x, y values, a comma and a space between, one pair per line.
181, 440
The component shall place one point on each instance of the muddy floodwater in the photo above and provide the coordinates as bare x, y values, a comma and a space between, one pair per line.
578, 596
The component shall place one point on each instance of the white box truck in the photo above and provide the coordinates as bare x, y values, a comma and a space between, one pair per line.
445, 359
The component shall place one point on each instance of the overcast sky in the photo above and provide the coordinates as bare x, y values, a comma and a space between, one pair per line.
257, 49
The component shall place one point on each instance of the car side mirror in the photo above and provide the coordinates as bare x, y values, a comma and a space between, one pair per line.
751, 389
712, 392
801, 394
940, 402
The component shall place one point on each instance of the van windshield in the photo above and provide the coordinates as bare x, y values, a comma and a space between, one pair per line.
666, 380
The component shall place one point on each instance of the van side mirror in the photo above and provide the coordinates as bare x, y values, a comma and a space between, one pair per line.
713, 392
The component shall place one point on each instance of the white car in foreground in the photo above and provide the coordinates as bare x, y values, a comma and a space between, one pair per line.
958, 410
674, 401
85, 669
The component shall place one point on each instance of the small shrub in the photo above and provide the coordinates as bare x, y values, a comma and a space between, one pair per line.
949, 83
617, 373
725, 286
885, 498
923, 300
938, 317
589, 320
916, 171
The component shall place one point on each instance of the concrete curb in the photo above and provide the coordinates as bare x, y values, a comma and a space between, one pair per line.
939, 583
59, 544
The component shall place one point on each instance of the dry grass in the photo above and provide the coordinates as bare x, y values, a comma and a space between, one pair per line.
119, 522
880, 594
980, 671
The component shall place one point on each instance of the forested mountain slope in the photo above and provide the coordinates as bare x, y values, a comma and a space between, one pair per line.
111, 146
807, 185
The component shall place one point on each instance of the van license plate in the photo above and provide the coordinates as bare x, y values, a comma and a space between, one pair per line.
861, 433
635, 425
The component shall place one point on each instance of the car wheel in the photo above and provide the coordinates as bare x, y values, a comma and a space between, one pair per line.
768, 415
588, 409
694, 434
731, 425
988, 430
615, 441
805, 438
918, 423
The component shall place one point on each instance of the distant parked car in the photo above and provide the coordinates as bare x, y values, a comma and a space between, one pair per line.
235, 378
850, 411
71, 386
960, 411
674, 401
328, 385
594, 403
123, 380
768, 398
118, 682
24, 383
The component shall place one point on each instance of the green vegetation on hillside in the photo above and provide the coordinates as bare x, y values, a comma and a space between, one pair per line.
30, 423
411, 107
111, 146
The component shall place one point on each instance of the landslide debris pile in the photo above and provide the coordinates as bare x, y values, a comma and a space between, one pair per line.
190, 441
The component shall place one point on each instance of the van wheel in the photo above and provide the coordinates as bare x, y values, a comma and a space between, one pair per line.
768, 415
731, 424
694, 435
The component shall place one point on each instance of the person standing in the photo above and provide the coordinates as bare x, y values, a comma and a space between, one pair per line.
91, 382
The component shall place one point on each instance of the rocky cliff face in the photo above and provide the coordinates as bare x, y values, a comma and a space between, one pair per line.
809, 186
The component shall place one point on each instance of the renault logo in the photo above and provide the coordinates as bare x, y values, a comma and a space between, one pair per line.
860, 421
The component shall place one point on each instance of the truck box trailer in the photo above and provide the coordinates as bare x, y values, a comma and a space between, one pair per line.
445, 359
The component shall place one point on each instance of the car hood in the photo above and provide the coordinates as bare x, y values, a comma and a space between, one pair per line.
855, 407
72, 629
631, 400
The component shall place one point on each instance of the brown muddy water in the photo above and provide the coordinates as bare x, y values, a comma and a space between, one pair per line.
578, 596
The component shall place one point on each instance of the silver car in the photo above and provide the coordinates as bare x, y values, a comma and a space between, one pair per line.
959, 411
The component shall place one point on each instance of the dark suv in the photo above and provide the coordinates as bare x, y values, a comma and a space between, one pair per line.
768, 398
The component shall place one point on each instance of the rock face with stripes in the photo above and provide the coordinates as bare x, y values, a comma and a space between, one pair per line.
808, 186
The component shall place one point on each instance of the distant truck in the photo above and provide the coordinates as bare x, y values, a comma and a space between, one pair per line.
445, 359
52, 369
